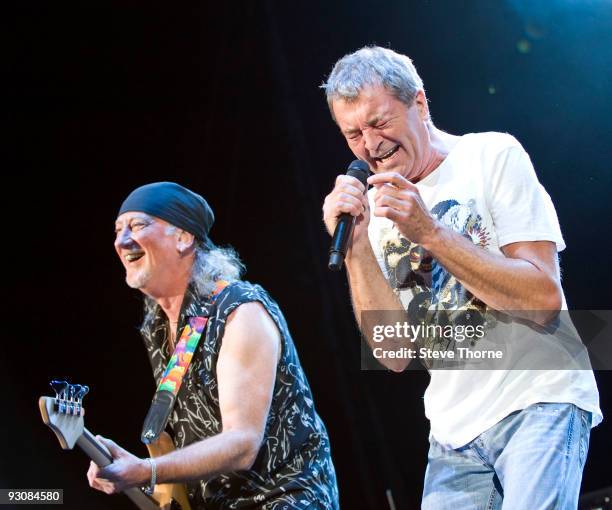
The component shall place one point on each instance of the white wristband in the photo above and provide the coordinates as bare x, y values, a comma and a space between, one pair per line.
149, 490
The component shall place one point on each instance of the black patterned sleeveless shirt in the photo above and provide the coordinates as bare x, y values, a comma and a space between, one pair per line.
293, 469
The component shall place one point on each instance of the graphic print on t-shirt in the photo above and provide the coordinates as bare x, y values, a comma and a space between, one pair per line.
436, 295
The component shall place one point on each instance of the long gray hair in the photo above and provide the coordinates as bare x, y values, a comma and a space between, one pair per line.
209, 266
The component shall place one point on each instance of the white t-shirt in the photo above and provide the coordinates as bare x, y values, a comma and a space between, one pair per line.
486, 189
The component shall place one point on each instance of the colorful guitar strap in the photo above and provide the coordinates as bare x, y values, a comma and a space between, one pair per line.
168, 388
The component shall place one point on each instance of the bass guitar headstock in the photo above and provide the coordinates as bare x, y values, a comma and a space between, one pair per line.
64, 413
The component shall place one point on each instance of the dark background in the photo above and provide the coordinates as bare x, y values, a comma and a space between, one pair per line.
100, 98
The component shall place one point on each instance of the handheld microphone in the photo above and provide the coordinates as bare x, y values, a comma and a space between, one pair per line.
346, 223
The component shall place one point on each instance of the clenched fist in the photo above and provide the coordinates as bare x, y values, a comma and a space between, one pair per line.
347, 197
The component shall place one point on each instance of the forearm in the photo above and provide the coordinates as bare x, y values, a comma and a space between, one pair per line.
503, 283
233, 450
370, 291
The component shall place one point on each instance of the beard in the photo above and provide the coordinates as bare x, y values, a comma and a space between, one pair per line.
138, 280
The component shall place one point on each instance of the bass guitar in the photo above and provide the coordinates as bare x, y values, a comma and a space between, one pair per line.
64, 415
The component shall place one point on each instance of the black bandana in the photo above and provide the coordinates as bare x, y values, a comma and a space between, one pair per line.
175, 204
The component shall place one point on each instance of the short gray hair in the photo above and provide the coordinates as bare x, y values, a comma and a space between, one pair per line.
209, 266
372, 66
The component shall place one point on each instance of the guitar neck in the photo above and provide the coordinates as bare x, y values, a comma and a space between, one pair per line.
97, 452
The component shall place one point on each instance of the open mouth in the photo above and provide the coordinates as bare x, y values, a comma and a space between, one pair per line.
133, 256
388, 154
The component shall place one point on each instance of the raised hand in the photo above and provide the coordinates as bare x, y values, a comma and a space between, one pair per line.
399, 200
347, 197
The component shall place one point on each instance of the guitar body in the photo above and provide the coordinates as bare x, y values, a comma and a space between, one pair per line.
164, 493
65, 417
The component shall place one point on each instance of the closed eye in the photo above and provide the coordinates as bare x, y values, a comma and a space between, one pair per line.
138, 225
134, 226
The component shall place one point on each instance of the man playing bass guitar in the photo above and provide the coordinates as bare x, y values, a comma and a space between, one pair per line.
246, 431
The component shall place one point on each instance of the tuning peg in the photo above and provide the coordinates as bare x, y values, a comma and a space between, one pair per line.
76, 388
59, 387
82, 392
74, 404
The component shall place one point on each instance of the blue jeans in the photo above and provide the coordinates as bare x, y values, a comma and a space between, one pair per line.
532, 459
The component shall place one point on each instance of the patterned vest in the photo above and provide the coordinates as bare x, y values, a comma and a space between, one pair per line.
293, 468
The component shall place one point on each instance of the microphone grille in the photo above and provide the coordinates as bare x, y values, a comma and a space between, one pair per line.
360, 170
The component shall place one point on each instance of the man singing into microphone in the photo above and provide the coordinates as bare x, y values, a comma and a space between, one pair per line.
244, 422
460, 223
